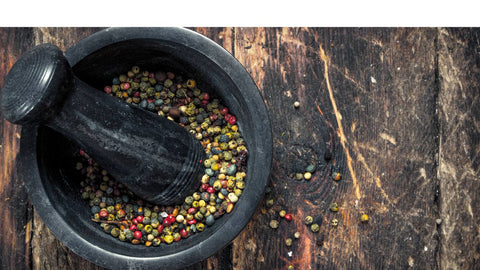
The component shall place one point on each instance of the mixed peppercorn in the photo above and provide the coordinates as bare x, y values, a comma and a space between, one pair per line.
131, 219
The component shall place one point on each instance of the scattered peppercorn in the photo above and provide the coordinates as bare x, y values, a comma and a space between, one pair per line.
297, 235
288, 217
282, 213
288, 242
336, 176
334, 222
315, 228
334, 207
274, 224
296, 104
364, 218
308, 220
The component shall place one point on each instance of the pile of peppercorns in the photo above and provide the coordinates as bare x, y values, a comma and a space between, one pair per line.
128, 217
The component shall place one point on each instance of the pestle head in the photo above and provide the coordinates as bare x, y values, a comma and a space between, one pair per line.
35, 85
155, 157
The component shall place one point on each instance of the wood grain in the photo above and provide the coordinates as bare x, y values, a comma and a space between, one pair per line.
370, 96
459, 111
15, 209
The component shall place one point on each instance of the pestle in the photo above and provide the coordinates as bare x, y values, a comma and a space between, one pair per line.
156, 158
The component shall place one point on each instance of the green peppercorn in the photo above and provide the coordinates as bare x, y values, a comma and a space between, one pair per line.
290, 267
269, 203
148, 228
115, 232
122, 237
282, 213
308, 220
334, 222
297, 235
334, 207
274, 224
315, 228
156, 242
200, 227
299, 176
288, 242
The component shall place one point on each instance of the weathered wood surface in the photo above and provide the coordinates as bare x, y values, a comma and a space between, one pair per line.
398, 110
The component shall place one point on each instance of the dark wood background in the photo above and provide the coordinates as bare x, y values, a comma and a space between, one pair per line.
397, 108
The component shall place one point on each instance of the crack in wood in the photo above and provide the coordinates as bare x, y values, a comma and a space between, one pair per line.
338, 116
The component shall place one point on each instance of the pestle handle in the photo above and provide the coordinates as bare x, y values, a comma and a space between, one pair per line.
156, 158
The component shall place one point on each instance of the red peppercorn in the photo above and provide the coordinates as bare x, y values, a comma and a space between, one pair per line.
125, 86
210, 189
205, 186
213, 117
133, 227
160, 229
206, 96
140, 219
166, 223
224, 110
82, 153
103, 213
137, 235
176, 239
184, 233
136, 94
204, 102
191, 222
107, 89
135, 221
192, 210
224, 183
169, 220
227, 117
232, 120
288, 217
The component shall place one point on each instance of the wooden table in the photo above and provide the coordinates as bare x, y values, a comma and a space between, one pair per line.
398, 110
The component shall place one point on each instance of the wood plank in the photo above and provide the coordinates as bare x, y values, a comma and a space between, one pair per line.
459, 119
15, 210
370, 96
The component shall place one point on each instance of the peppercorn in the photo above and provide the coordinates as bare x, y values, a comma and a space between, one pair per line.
299, 176
336, 176
364, 218
137, 235
269, 203
168, 239
315, 228
334, 222
334, 207
288, 242
296, 104
288, 217
273, 224
282, 213
307, 176
308, 220
297, 235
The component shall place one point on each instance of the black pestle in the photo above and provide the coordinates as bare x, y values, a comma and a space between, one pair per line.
155, 157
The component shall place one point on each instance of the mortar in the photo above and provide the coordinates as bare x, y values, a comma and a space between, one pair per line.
46, 161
